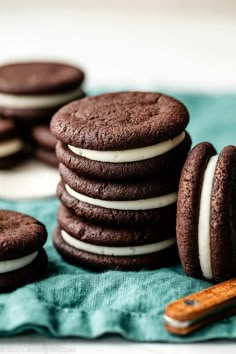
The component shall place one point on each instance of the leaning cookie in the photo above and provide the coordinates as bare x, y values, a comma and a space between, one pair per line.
102, 247
22, 258
11, 145
206, 222
122, 135
33, 91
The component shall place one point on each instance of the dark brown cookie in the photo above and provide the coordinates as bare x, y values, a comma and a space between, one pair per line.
22, 259
96, 262
46, 156
223, 216
125, 190
42, 136
8, 129
102, 215
28, 274
26, 88
118, 121
112, 236
222, 227
11, 145
10, 162
20, 235
34, 78
172, 161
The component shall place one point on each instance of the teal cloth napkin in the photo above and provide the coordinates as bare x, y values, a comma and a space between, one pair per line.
72, 301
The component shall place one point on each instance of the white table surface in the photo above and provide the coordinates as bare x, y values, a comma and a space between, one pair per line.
139, 44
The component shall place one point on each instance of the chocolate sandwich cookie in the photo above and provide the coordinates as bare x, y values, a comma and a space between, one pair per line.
22, 258
206, 213
33, 91
126, 258
42, 136
11, 145
170, 161
43, 145
46, 156
122, 135
102, 247
136, 202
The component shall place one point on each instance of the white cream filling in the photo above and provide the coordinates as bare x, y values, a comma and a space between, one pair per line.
140, 204
14, 264
130, 155
204, 249
117, 251
10, 147
176, 323
38, 101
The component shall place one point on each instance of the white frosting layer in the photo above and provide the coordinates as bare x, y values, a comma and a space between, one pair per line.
10, 147
141, 204
130, 155
204, 249
176, 323
14, 264
117, 251
38, 101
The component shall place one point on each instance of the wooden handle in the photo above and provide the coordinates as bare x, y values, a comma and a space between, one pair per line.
194, 311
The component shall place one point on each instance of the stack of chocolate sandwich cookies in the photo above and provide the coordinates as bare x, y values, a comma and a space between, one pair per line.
22, 257
31, 92
121, 155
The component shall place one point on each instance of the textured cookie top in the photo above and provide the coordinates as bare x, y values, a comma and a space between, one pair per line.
117, 121
223, 215
189, 194
20, 235
222, 207
38, 78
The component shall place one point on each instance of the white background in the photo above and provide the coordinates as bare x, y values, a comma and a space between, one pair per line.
143, 44
128, 43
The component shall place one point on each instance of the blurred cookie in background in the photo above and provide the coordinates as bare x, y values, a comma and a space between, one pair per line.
31, 92
43, 145
11, 144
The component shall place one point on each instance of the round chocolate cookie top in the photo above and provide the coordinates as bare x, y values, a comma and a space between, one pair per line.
7, 129
117, 121
20, 235
39, 78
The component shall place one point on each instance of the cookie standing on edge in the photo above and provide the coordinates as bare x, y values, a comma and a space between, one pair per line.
206, 213
11, 145
22, 257
33, 91
122, 135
